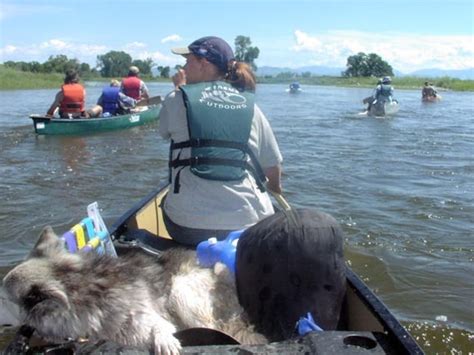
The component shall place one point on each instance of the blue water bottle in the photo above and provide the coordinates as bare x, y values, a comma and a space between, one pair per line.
211, 251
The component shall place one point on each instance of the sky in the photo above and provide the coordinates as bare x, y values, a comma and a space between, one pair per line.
408, 34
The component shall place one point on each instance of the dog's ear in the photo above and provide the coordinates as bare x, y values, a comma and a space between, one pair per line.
48, 243
61, 297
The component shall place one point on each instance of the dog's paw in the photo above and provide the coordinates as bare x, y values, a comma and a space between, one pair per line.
167, 344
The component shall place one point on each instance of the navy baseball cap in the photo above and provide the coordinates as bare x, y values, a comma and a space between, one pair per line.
214, 49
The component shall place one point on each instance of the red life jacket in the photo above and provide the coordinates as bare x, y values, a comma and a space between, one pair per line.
73, 100
131, 87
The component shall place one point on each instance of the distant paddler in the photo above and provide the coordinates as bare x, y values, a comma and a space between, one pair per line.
294, 88
370, 99
112, 102
133, 86
70, 99
429, 94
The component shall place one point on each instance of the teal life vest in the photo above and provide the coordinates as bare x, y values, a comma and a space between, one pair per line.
385, 92
219, 121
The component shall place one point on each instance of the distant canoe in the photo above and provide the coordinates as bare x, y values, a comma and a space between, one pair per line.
294, 88
433, 98
384, 108
294, 91
63, 126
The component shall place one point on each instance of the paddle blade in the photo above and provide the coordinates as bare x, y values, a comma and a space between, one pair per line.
44, 117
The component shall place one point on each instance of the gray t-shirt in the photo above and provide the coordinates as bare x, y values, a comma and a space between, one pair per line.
210, 204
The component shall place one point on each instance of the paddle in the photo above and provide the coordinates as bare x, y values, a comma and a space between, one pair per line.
287, 209
155, 100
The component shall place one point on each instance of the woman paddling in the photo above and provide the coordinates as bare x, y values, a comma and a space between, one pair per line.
222, 146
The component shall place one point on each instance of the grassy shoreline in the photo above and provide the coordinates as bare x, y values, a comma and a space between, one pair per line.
17, 80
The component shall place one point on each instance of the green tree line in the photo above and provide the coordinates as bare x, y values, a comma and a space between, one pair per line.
361, 69
111, 64
116, 63
55, 64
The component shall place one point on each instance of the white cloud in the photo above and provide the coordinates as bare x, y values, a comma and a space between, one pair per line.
55, 44
91, 49
305, 42
135, 45
158, 57
172, 38
9, 49
42, 51
402, 51
83, 52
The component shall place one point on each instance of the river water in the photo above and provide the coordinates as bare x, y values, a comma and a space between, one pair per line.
402, 188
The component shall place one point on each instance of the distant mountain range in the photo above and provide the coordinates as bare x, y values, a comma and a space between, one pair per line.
333, 71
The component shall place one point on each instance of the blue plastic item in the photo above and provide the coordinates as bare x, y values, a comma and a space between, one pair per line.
71, 243
90, 234
211, 251
89, 224
307, 324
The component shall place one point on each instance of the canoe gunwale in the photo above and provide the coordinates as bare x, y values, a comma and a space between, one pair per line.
120, 225
382, 313
401, 341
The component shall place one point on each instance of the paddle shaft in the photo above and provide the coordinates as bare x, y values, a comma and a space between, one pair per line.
287, 209
155, 100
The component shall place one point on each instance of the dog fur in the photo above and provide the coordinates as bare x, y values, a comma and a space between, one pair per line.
134, 300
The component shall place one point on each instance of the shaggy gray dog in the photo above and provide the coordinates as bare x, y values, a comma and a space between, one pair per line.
135, 300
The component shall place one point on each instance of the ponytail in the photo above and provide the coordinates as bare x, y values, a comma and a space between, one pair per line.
240, 76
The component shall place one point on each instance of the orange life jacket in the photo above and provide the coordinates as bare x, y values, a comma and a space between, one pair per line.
73, 98
131, 87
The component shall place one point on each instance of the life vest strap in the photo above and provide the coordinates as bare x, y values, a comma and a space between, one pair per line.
74, 105
257, 170
199, 143
195, 161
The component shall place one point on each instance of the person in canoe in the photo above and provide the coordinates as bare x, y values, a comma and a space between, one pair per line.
370, 99
222, 146
133, 86
384, 91
294, 87
70, 99
428, 92
383, 96
112, 102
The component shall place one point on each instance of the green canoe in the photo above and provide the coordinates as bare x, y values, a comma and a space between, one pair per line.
64, 126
